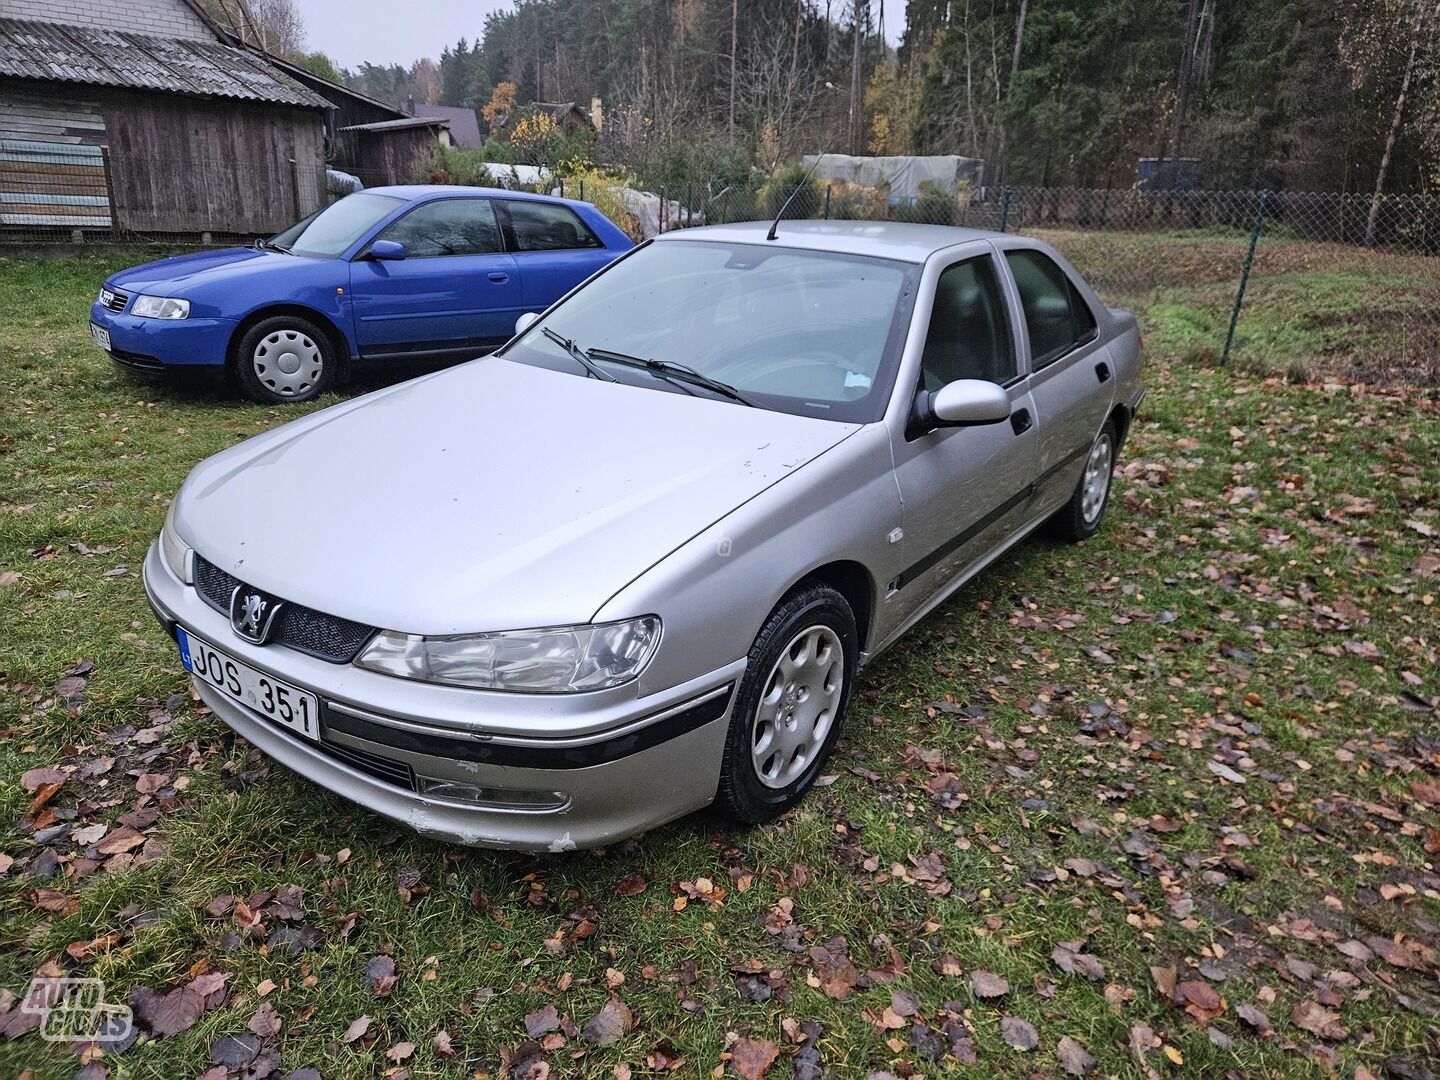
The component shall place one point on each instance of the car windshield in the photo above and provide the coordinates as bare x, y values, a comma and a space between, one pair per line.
806, 332
335, 228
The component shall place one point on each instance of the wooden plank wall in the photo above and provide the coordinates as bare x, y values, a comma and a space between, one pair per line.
182, 164
52, 167
394, 156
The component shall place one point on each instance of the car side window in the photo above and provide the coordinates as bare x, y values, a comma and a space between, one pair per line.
542, 226
447, 227
1056, 316
969, 335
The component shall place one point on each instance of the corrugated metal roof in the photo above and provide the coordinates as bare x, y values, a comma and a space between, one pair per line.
403, 122
95, 57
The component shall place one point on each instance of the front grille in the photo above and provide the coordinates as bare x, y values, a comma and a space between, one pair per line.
383, 769
114, 300
325, 637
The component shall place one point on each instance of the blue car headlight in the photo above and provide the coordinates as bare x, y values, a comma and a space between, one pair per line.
160, 307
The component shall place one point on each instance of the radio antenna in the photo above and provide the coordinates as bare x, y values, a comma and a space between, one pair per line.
798, 188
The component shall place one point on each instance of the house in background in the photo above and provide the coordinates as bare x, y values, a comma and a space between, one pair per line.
567, 114
464, 123
140, 116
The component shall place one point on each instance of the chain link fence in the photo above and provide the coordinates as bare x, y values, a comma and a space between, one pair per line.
1349, 283
1316, 283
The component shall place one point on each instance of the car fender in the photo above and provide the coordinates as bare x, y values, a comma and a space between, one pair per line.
714, 592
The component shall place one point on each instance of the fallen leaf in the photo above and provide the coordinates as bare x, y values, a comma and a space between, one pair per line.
1020, 1034
34, 779
631, 885
380, 972
1253, 1016
235, 1051
441, 1045
837, 975
751, 1058
400, 1051
1313, 1017
1074, 1058
1069, 958
358, 1027
606, 1026
265, 1022
542, 1020
986, 984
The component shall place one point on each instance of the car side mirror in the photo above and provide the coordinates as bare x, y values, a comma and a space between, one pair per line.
386, 251
525, 321
961, 403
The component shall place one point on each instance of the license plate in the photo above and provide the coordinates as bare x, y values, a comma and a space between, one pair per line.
101, 336
287, 705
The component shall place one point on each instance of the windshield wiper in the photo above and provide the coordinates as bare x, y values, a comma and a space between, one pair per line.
268, 245
675, 372
578, 354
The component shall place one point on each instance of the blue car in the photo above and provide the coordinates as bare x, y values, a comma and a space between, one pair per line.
388, 273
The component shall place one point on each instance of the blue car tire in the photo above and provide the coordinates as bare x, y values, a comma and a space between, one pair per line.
284, 359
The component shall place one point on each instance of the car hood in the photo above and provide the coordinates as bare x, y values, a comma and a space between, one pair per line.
492, 496
167, 277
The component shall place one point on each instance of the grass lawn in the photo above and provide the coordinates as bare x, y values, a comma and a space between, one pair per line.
1164, 803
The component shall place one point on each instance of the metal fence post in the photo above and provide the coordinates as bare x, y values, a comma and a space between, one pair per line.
1245, 275
110, 193
827, 202
1005, 207
582, 189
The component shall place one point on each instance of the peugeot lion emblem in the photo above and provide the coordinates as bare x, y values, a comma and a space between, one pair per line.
252, 613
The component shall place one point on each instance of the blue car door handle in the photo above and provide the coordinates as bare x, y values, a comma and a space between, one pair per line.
499, 277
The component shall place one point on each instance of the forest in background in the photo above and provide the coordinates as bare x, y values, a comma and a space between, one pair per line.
1339, 95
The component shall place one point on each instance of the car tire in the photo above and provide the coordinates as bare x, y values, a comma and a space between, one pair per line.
283, 360
1079, 518
791, 705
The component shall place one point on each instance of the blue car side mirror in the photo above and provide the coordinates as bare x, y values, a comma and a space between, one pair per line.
386, 250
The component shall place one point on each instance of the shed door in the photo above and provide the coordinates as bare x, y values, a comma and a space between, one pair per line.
52, 168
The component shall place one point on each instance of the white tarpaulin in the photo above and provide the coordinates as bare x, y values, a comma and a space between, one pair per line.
904, 175
516, 176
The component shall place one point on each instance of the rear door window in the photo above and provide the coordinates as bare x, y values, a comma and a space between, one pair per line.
1057, 318
538, 226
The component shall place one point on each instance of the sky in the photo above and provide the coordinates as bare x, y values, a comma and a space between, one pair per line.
384, 32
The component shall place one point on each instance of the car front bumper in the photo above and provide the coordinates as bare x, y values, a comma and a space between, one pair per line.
556, 772
151, 346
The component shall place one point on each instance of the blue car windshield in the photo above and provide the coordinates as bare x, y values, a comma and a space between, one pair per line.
332, 230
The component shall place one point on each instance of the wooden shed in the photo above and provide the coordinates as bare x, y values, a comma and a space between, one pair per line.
392, 151
112, 129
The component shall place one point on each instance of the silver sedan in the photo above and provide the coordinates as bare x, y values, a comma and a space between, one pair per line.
631, 564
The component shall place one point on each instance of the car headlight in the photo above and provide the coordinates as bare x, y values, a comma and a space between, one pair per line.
555, 660
160, 307
174, 550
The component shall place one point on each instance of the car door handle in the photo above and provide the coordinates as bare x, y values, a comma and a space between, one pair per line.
499, 277
1102, 371
1020, 421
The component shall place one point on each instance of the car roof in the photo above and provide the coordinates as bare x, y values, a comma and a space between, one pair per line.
884, 239
423, 191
